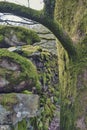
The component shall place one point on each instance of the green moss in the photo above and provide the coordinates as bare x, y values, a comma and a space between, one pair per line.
42, 121
8, 100
23, 34
1, 38
67, 93
27, 92
68, 13
28, 70
22, 125
29, 49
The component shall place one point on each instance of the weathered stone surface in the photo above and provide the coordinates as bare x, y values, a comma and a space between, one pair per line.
16, 107
16, 36
16, 73
9, 65
13, 41
47, 38
5, 127
46, 64
45, 59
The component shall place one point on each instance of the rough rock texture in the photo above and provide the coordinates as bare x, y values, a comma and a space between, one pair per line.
16, 36
46, 64
43, 55
5, 127
15, 73
47, 38
15, 107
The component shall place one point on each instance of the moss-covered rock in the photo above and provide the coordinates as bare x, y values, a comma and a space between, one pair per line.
16, 36
47, 67
16, 73
46, 63
14, 109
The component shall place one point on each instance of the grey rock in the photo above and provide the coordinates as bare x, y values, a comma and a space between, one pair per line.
3, 115
5, 127
3, 82
9, 65
17, 108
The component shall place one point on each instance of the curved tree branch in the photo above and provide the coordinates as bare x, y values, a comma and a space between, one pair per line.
45, 20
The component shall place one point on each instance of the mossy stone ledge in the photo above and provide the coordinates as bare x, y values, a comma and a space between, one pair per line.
16, 73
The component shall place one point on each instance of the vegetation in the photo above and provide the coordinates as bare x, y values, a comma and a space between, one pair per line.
22, 34
8, 101
43, 119
70, 17
72, 47
28, 70
45, 20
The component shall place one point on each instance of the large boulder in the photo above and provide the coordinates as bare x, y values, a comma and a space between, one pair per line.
14, 109
16, 73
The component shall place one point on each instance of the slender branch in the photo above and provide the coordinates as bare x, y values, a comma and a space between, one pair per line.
45, 20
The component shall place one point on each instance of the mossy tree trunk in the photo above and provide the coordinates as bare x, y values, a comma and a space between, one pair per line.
67, 78
67, 12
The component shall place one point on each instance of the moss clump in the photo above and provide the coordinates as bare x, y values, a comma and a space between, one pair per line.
29, 49
42, 121
22, 34
8, 100
27, 69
